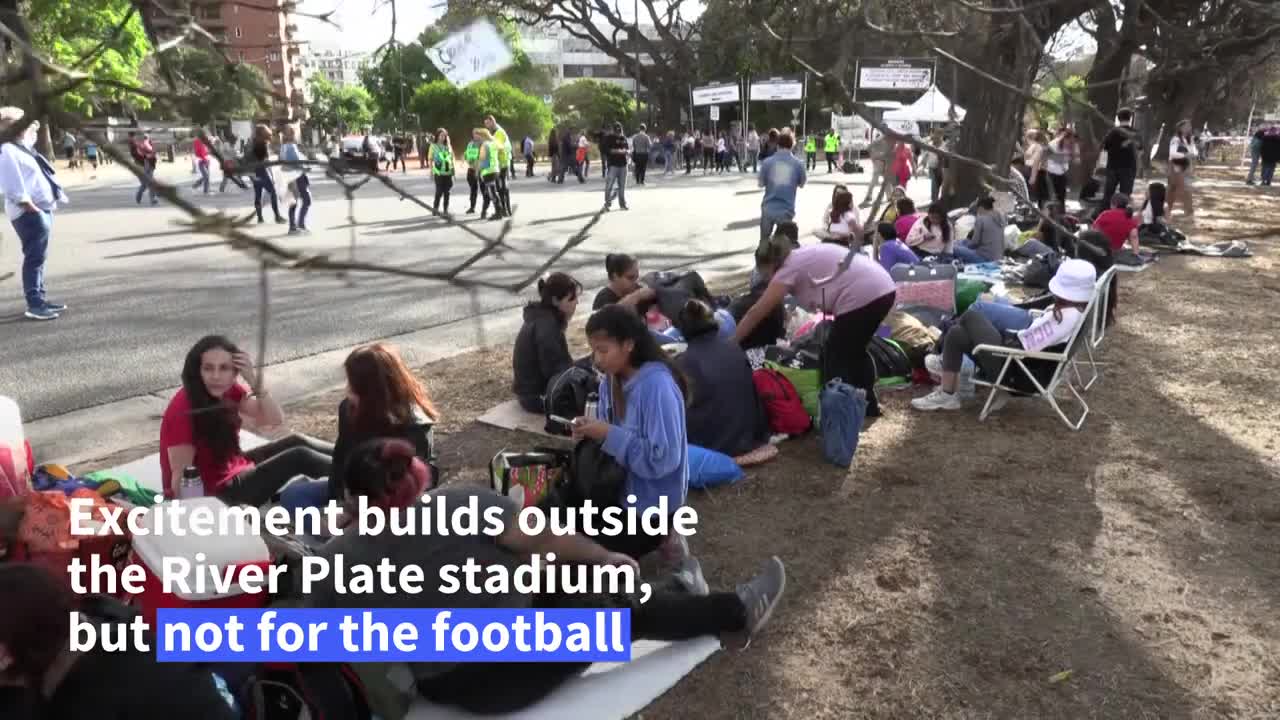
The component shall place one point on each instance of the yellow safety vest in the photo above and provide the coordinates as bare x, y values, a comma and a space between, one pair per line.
833, 143
490, 159
811, 145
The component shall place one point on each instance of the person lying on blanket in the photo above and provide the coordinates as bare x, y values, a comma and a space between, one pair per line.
1072, 287
41, 678
388, 474
201, 428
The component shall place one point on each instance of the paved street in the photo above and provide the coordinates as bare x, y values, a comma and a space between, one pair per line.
141, 289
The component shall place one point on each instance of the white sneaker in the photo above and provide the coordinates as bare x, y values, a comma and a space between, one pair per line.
937, 400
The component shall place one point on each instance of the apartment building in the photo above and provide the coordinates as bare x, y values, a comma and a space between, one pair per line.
339, 67
264, 34
568, 58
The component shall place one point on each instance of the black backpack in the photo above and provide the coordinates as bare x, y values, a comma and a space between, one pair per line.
1041, 270
567, 397
889, 358
311, 691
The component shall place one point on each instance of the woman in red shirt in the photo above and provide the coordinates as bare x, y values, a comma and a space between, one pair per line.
201, 428
1118, 224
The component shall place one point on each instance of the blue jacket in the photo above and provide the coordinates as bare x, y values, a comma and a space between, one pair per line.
650, 442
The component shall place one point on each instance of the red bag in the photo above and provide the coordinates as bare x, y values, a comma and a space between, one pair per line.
781, 402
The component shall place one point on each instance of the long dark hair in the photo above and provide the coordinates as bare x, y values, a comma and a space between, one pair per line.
1156, 198
388, 392
696, 319
387, 472
621, 324
556, 287
213, 419
946, 224
905, 207
36, 619
841, 203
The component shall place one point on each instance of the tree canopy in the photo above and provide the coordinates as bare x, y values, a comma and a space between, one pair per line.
109, 33
339, 108
440, 104
592, 104
213, 88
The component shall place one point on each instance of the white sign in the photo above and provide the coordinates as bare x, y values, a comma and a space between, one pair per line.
715, 112
471, 54
716, 95
896, 75
777, 89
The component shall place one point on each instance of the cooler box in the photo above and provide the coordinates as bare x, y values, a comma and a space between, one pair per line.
221, 552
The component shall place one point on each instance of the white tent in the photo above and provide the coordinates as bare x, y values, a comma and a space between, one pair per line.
932, 107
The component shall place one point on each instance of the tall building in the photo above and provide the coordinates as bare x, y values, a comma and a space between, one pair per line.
339, 67
264, 34
568, 58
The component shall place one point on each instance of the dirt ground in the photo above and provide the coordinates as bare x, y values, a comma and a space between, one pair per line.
1011, 569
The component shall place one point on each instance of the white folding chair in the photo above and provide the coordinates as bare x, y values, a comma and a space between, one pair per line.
1066, 370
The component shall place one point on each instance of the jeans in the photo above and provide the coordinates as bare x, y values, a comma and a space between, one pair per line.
202, 166
1268, 172
528, 165
970, 257
278, 462
1121, 179
845, 352
668, 161
148, 172
1005, 318
262, 182
302, 188
33, 231
314, 493
1253, 168
616, 178
768, 221
667, 616
754, 157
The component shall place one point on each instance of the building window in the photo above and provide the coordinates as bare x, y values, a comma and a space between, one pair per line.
238, 33
277, 81
275, 56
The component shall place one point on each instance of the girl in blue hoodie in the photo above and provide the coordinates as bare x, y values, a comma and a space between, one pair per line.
640, 420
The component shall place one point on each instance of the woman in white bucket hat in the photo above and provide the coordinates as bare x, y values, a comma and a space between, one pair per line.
1072, 287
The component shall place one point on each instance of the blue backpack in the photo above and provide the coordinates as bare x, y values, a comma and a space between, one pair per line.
844, 408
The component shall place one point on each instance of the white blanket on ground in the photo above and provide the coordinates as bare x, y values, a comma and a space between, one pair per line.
510, 416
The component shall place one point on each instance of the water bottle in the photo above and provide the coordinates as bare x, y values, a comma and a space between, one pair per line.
593, 403
191, 486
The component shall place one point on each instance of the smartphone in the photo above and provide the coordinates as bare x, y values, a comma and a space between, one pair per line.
562, 421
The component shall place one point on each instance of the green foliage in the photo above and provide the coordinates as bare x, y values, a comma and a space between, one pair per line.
408, 67
592, 104
335, 108
215, 88
66, 31
1066, 96
440, 104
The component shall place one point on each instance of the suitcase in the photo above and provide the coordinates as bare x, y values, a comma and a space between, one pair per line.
931, 285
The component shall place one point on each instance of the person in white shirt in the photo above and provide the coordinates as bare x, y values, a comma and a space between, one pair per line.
1072, 287
1063, 149
1182, 152
840, 220
31, 194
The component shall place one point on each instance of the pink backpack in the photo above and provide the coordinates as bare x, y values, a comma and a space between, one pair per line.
16, 467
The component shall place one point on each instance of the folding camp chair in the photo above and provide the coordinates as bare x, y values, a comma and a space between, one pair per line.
1066, 371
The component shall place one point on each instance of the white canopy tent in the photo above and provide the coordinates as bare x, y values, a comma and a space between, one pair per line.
932, 107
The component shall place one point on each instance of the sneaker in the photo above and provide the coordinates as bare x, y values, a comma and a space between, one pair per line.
624, 207
760, 596
295, 231
686, 569
281, 221
55, 307
937, 400
41, 313
471, 211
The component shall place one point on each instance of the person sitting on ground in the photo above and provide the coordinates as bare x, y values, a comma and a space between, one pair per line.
384, 399
847, 284
624, 286
201, 428
986, 244
1118, 224
40, 677
1072, 287
842, 223
725, 414
386, 474
1154, 224
890, 212
640, 418
933, 235
906, 217
892, 250
541, 351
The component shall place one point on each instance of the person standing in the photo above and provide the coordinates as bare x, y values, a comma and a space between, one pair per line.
1062, 151
669, 153
753, 150
553, 152
472, 156
489, 171
811, 153
260, 153
300, 186
614, 149
91, 153
505, 170
69, 149
31, 194
831, 148
1182, 152
1255, 153
902, 159
1270, 153
442, 169
881, 152
372, 150
1121, 145
640, 145
781, 175
583, 157
528, 156
201, 152
1036, 157
144, 153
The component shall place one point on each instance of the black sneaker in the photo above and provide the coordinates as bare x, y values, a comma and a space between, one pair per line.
760, 595
40, 313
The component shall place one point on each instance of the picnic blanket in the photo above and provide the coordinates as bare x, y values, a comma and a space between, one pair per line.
1226, 249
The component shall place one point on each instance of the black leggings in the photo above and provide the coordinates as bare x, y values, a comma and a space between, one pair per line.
490, 189
277, 463
1041, 192
491, 687
971, 330
444, 185
1059, 183
845, 354
474, 183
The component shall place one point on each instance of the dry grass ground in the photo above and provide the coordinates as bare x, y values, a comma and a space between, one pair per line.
1011, 569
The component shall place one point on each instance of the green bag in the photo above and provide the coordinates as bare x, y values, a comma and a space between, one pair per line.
808, 384
967, 292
